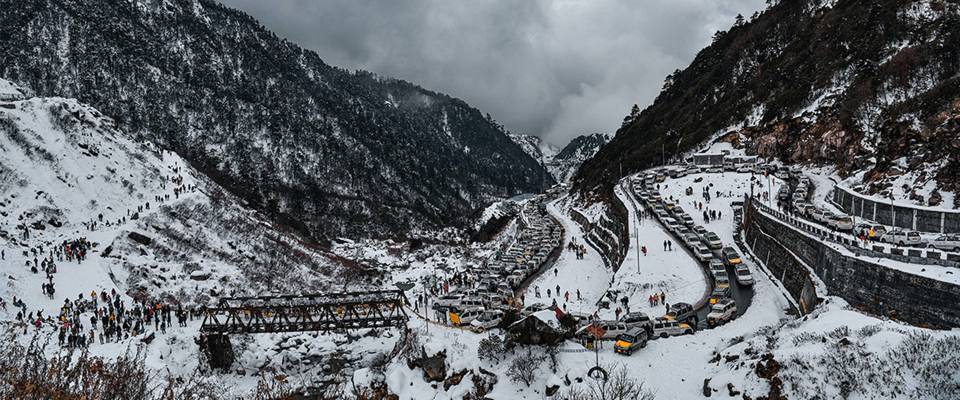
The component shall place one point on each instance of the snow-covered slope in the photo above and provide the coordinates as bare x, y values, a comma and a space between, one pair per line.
326, 151
159, 228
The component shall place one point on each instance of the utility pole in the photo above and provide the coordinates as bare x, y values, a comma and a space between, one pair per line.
638, 245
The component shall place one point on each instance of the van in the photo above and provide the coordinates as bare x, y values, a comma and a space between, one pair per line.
612, 329
470, 302
663, 328
461, 317
630, 341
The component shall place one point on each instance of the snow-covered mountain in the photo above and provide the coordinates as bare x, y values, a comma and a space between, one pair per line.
324, 150
535, 147
567, 161
159, 228
866, 87
562, 163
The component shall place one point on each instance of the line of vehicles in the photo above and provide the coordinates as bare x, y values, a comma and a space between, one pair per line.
484, 305
798, 200
634, 329
706, 246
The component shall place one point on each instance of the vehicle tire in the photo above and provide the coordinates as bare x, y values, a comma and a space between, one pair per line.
663, 335
688, 332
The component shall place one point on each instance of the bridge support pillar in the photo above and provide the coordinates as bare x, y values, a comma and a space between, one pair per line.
219, 351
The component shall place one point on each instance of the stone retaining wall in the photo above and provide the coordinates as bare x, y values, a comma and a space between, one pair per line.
868, 286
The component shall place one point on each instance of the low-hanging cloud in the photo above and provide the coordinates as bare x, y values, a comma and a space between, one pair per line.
556, 69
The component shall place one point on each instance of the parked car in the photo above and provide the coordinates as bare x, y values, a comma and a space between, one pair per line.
464, 317
612, 329
902, 238
448, 300
691, 239
637, 319
840, 222
721, 278
671, 224
528, 310
712, 241
680, 312
717, 266
702, 252
631, 340
784, 193
719, 292
744, 277
878, 232
488, 320
731, 257
663, 328
700, 230
946, 242
722, 312
815, 214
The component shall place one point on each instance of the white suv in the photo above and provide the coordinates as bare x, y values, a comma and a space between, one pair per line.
724, 311
949, 243
902, 238
743, 275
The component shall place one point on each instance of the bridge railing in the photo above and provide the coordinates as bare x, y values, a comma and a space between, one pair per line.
296, 313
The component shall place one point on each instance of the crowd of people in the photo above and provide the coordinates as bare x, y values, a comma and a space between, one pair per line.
579, 249
95, 317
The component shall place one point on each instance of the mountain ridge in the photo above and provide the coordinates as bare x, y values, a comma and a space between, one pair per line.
861, 86
326, 151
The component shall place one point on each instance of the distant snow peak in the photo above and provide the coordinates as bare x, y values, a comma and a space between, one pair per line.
562, 163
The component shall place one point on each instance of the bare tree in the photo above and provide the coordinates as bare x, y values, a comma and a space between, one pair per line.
619, 385
524, 367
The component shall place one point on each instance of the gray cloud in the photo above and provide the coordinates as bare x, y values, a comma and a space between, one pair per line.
555, 69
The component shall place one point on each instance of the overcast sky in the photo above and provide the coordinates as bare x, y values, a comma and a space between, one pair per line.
556, 69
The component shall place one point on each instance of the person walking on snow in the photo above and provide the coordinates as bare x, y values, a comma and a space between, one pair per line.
644, 250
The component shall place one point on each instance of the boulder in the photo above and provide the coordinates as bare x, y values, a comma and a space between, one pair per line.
200, 275
434, 367
140, 238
